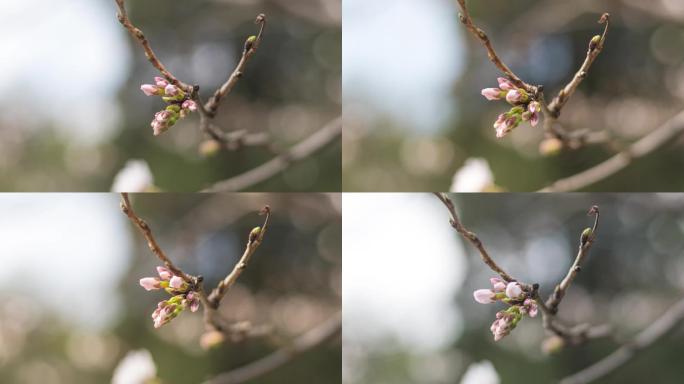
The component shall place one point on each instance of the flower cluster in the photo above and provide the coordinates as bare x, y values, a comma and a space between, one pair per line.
524, 107
179, 102
511, 294
183, 296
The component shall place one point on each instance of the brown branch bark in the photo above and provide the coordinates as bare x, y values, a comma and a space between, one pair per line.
300, 151
465, 18
122, 15
250, 49
304, 343
662, 135
645, 339
472, 238
254, 241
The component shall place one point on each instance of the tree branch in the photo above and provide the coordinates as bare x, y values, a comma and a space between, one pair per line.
127, 209
304, 343
645, 339
472, 238
662, 135
250, 49
586, 241
254, 241
122, 15
464, 16
595, 48
300, 151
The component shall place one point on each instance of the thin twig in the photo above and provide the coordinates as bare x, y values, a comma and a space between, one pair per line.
645, 339
122, 15
304, 343
595, 48
472, 238
250, 49
585, 245
127, 209
662, 135
300, 151
464, 16
254, 241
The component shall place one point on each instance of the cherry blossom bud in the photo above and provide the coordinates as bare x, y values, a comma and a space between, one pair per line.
192, 301
161, 82
211, 339
504, 124
484, 296
150, 283
164, 273
209, 148
149, 89
158, 128
190, 105
516, 96
550, 147
505, 84
176, 282
492, 93
171, 90
529, 308
514, 290
498, 284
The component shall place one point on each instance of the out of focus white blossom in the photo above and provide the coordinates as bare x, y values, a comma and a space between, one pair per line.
481, 373
135, 176
474, 176
137, 367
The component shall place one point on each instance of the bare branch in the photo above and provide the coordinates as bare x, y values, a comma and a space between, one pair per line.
255, 239
122, 15
472, 238
662, 135
304, 343
493, 56
250, 49
586, 241
127, 209
645, 339
595, 48
300, 151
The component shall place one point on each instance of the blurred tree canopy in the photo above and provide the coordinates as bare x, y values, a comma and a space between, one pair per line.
634, 86
290, 89
293, 284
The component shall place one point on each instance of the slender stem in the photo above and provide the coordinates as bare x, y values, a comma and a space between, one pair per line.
472, 238
122, 15
584, 247
127, 209
672, 318
464, 16
662, 135
250, 49
304, 343
300, 151
255, 239
595, 48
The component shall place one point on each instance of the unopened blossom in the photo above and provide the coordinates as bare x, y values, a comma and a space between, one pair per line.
180, 104
514, 290
529, 308
493, 93
183, 295
498, 283
524, 107
484, 296
505, 322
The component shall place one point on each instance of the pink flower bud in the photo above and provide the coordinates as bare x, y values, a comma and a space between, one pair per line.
498, 284
190, 105
505, 84
193, 301
161, 82
484, 296
164, 273
504, 124
150, 283
529, 307
515, 96
514, 290
158, 127
162, 116
171, 90
149, 89
492, 93
176, 282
